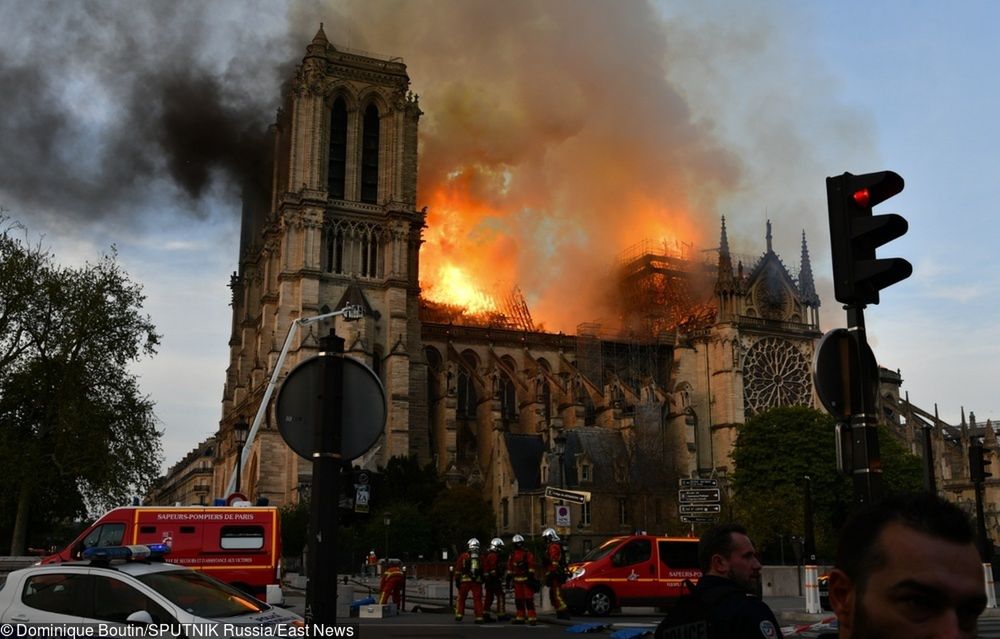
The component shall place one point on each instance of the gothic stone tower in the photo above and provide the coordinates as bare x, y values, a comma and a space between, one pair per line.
338, 225
756, 355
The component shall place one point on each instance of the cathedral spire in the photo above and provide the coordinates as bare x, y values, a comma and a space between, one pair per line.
807, 287
724, 241
320, 37
725, 283
318, 45
769, 248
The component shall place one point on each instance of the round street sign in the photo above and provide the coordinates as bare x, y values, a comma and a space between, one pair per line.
836, 370
363, 412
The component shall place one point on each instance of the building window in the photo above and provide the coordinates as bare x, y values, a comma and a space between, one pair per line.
369, 155
623, 512
508, 401
338, 150
504, 512
585, 472
333, 255
587, 546
543, 507
585, 513
546, 401
545, 474
369, 256
466, 396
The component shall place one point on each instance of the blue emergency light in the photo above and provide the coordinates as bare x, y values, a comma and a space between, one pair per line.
136, 552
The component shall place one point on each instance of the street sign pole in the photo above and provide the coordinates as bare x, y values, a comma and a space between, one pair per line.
321, 588
867, 462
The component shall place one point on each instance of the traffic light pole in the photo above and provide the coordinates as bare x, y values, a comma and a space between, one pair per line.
321, 588
865, 456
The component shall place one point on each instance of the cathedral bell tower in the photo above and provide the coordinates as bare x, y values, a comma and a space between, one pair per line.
338, 226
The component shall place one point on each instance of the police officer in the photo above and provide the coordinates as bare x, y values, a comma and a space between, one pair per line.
469, 579
554, 561
521, 574
494, 569
730, 574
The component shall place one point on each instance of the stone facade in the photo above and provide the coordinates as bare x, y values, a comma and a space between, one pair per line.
621, 412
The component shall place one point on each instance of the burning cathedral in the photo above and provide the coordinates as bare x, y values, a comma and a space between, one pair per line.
620, 411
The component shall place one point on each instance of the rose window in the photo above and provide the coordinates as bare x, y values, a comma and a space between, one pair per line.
775, 373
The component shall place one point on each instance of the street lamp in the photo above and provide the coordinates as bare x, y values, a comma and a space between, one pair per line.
240, 430
387, 519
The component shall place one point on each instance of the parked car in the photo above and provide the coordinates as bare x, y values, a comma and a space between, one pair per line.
129, 584
637, 570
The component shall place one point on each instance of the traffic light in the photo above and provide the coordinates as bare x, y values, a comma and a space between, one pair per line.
855, 233
978, 461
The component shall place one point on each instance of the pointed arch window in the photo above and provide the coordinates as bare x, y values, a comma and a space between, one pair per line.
336, 181
508, 400
333, 251
466, 408
369, 255
369, 155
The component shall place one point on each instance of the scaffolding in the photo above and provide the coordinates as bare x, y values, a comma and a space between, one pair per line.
664, 287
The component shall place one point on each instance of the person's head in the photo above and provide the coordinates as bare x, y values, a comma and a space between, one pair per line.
549, 535
907, 567
726, 551
518, 541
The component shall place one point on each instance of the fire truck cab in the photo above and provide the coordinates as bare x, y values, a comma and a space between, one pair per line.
636, 570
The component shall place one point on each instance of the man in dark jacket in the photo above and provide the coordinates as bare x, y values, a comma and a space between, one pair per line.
730, 574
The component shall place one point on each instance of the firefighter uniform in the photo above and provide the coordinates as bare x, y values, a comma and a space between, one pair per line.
391, 584
469, 580
555, 563
521, 572
494, 569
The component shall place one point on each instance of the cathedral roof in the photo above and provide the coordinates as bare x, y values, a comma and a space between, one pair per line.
601, 446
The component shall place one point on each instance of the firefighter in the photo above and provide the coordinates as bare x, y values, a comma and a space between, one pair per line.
554, 561
494, 569
469, 579
371, 564
391, 584
521, 573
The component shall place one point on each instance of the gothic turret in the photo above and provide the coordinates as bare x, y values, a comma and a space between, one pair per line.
807, 287
727, 287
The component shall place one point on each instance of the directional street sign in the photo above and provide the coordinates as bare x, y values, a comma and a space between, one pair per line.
574, 496
695, 495
698, 519
694, 509
694, 482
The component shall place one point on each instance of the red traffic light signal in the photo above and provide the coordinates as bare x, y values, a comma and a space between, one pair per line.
855, 233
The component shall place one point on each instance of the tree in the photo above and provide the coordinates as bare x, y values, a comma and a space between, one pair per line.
459, 513
776, 449
71, 413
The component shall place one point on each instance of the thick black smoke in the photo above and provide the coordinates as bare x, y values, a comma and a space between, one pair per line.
119, 109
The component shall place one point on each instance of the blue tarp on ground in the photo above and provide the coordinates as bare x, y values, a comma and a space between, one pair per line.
630, 633
362, 602
581, 628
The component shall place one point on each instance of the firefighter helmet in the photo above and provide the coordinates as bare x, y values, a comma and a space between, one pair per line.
473, 544
496, 543
518, 540
550, 534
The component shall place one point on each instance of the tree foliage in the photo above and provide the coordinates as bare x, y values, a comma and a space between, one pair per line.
72, 417
776, 449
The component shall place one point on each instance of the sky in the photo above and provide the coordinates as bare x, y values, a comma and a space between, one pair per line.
555, 134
